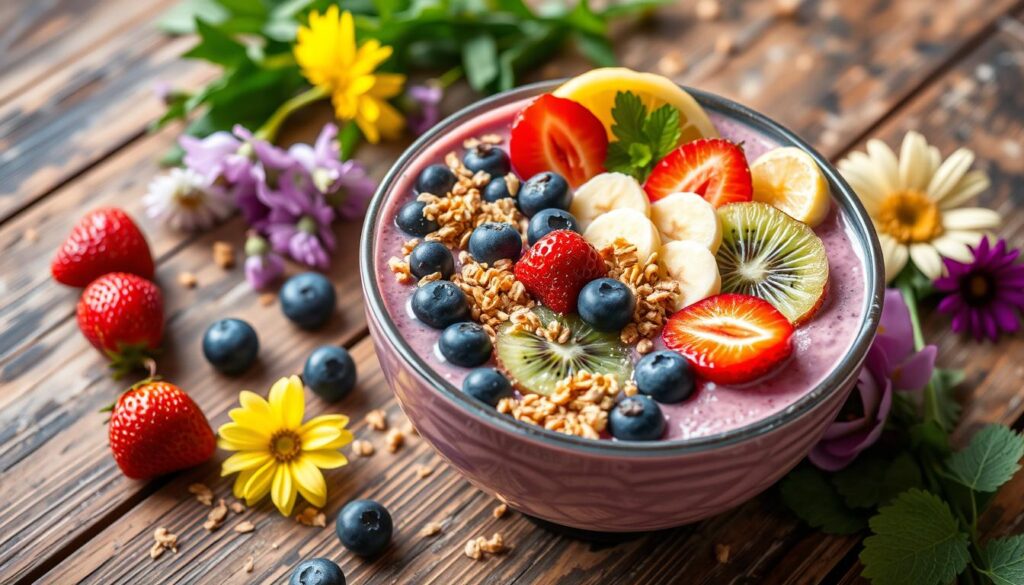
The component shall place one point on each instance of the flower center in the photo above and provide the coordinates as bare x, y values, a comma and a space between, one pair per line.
306, 225
910, 217
285, 445
977, 288
189, 198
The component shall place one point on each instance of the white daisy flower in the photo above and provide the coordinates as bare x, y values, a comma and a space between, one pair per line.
915, 203
183, 200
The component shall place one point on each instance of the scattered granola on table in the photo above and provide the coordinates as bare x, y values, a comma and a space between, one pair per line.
500, 510
362, 448
202, 493
310, 516
216, 516
377, 420
478, 548
394, 440
244, 527
163, 540
431, 529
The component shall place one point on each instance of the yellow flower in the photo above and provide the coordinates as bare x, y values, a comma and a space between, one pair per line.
327, 53
913, 201
277, 453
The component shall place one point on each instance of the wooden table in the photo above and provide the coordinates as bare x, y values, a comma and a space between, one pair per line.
75, 101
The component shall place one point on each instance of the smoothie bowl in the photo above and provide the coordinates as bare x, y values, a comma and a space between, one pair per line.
615, 304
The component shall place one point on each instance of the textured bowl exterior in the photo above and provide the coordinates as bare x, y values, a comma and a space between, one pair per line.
606, 485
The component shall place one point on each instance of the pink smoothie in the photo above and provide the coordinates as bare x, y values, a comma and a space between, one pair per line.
818, 345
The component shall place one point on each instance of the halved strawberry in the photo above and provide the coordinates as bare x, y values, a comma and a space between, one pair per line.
713, 168
555, 269
730, 338
560, 135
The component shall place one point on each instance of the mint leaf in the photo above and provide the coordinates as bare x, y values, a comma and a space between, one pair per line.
618, 159
916, 540
813, 499
628, 114
989, 461
662, 130
642, 139
1004, 560
873, 480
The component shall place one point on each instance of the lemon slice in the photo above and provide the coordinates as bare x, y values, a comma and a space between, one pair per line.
788, 179
596, 90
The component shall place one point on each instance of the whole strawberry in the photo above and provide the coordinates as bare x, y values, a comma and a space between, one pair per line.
122, 315
104, 240
556, 268
155, 428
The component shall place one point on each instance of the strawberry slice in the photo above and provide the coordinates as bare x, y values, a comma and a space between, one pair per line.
560, 135
713, 168
556, 268
730, 338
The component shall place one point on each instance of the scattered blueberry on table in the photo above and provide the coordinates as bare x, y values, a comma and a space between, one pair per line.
486, 158
231, 346
317, 571
410, 220
330, 372
606, 304
636, 418
545, 190
364, 527
436, 179
496, 189
665, 376
487, 385
430, 257
549, 220
465, 344
308, 299
439, 304
493, 241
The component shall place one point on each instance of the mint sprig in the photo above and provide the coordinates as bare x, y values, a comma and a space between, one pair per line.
1004, 560
642, 139
989, 460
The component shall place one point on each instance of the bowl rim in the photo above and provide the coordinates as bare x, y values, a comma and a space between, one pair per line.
849, 204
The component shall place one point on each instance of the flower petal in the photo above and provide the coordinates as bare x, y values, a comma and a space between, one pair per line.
885, 161
235, 437
916, 371
968, 188
238, 490
288, 402
309, 481
283, 491
335, 420
319, 436
259, 483
244, 461
927, 260
950, 247
325, 458
914, 163
894, 254
970, 218
948, 175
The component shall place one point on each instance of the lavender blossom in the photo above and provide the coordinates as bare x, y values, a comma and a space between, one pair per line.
302, 229
423, 104
262, 265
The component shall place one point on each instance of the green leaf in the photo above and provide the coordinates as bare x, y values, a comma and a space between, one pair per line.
181, 18
480, 60
596, 48
216, 47
640, 155
628, 114
662, 130
945, 382
1004, 560
874, 480
989, 460
916, 540
625, 7
618, 159
811, 497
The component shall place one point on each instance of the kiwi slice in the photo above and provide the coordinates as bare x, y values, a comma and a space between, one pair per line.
768, 254
535, 364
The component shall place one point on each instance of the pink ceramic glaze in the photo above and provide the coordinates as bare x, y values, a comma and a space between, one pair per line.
723, 447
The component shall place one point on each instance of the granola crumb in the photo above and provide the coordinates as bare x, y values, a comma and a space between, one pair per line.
267, 299
655, 294
377, 420
722, 553
394, 440
237, 507
310, 516
424, 471
431, 529
493, 293
472, 550
362, 448
644, 346
187, 280
250, 564
224, 254
202, 493
578, 406
163, 540
787, 8
479, 547
500, 510
216, 516
708, 10
410, 430
400, 268
31, 235
244, 527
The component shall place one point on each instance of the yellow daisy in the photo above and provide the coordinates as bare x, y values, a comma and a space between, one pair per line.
915, 203
277, 453
327, 53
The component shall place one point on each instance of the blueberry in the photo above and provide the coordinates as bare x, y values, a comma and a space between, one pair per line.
543, 191
637, 418
430, 257
493, 241
317, 571
486, 158
549, 220
330, 372
665, 376
230, 345
439, 304
487, 385
436, 180
364, 527
411, 221
496, 189
606, 304
308, 299
465, 344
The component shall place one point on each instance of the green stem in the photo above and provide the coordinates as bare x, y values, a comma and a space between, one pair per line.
930, 400
268, 131
449, 77
349, 139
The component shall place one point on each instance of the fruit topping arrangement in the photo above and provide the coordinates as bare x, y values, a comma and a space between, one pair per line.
618, 257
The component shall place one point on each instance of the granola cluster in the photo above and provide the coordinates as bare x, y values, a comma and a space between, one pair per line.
578, 406
655, 294
524, 319
493, 293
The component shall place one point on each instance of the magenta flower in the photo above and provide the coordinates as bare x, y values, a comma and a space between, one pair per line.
986, 295
891, 364
262, 265
423, 105
302, 229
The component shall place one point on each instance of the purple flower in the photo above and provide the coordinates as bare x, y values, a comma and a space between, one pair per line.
891, 364
302, 229
345, 184
986, 295
423, 105
262, 265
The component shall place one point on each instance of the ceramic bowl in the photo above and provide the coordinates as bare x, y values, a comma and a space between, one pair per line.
605, 485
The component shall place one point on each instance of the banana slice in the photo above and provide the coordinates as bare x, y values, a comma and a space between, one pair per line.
628, 224
693, 266
687, 216
607, 192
